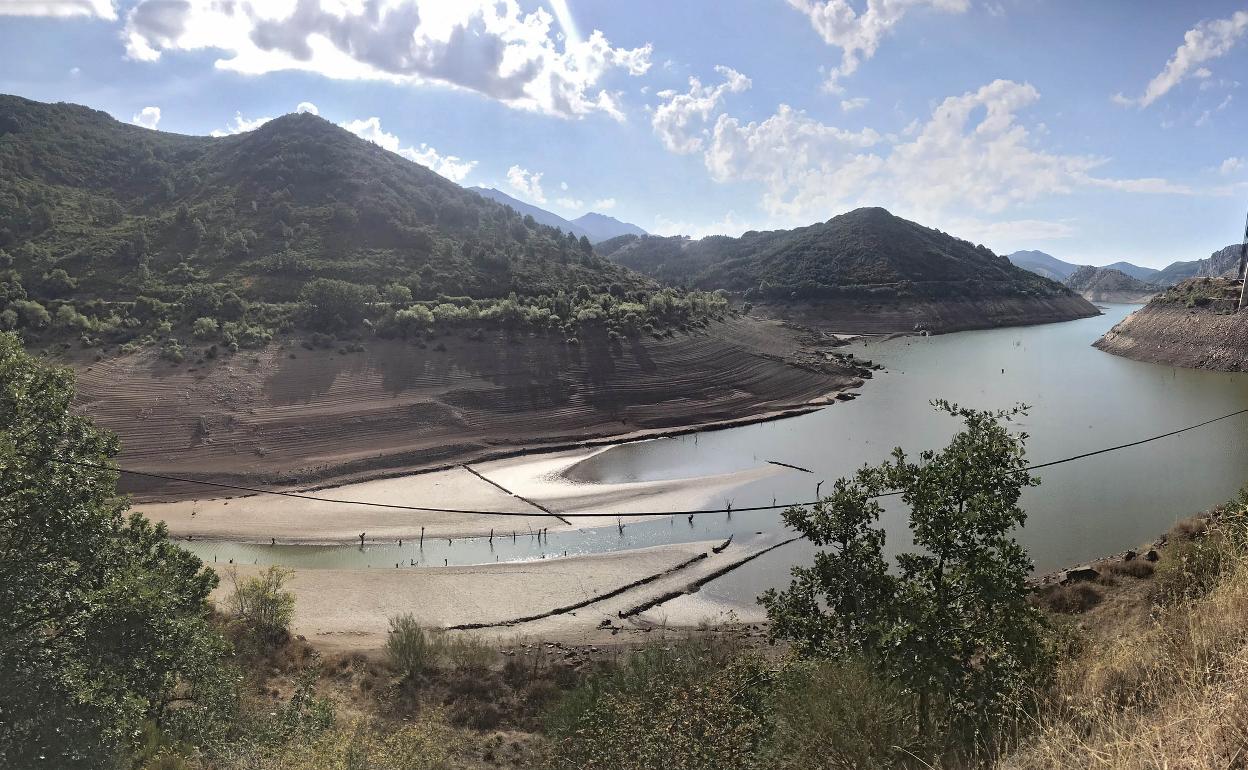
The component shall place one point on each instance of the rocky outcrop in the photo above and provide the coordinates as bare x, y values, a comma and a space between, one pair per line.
1104, 284
1193, 325
890, 316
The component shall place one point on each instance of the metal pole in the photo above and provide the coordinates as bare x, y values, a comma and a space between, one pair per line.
1243, 268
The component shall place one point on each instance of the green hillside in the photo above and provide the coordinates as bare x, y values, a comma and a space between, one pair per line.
866, 252
113, 232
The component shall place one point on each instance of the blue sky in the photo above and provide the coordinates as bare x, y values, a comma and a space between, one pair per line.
1094, 131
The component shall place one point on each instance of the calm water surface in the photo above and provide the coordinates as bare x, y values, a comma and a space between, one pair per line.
1081, 399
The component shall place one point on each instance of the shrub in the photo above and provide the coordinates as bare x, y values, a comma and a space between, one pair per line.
261, 605
412, 649
671, 708
1189, 569
31, 314
467, 653
839, 715
205, 328
1070, 599
171, 350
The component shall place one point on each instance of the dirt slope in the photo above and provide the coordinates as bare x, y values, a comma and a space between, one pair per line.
887, 316
286, 415
1193, 325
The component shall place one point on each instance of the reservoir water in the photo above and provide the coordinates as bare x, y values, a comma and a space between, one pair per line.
1081, 400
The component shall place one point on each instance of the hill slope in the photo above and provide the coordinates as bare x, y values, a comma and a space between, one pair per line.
865, 268
1103, 284
1193, 325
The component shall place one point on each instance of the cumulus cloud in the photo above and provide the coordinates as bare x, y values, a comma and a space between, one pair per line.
449, 166
679, 119
572, 204
527, 183
603, 204
1232, 165
308, 107
1203, 43
859, 35
487, 46
857, 103
102, 9
973, 153
148, 117
240, 125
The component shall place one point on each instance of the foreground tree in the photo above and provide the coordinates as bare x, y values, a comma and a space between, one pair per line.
950, 621
102, 619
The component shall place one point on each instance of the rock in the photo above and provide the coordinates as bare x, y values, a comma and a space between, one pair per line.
1129, 555
1079, 575
1151, 555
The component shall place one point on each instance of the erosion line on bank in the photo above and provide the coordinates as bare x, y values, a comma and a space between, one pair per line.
584, 602
521, 498
696, 584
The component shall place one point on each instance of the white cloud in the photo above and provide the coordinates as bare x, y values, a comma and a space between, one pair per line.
729, 225
574, 204
1205, 42
857, 103
679, 119
972, 154
75, 71
858, 35
449, 166
240, 125
1232, 165
307, 107
148, 117
528, 183
487, 46
102, 9
603, 204
1010, 234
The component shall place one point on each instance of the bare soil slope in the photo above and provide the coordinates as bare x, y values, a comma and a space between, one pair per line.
290, 416
1192, 325
888, 315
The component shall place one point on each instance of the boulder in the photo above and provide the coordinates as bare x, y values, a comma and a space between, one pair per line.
1080, 575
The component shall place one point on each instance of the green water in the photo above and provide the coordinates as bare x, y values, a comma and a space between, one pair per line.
1081, 399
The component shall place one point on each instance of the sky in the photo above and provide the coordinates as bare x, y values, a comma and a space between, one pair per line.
1095, 131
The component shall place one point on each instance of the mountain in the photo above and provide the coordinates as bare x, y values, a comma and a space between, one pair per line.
597, 227
602, 227
1223, 262
1105, 284
1135, 271
854, 262
1043, 264
95, 212
541, 216
1051, 267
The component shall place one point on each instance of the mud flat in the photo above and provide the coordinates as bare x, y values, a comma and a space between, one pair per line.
571, 599
535, 485
286, 416
1208, 334
891, 315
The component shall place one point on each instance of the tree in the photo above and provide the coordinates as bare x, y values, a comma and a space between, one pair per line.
332, 304
263, 606
951, 621
101, 616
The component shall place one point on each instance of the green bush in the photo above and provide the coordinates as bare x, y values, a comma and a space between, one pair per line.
411, 648
262, 606
205, 328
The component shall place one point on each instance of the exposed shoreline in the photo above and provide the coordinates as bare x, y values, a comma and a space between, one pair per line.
1166, 331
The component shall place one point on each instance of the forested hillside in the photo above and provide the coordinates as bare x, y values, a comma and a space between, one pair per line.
865, 252
114, 233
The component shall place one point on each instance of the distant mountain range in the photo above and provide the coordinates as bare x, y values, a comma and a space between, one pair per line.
1222, 262
597, 227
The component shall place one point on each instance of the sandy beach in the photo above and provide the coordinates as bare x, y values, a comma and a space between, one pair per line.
349, 609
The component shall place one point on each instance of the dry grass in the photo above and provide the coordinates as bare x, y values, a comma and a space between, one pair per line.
1173, 694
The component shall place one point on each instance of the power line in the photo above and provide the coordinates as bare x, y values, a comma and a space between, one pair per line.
477, 512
